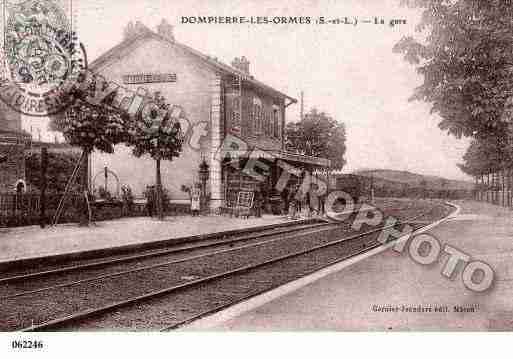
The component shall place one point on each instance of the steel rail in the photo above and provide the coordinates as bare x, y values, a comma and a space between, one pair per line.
203, 314
162, 264
58, 322
214, 310
157, 253
176, 248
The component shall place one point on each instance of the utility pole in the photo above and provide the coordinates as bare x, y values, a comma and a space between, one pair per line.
42, 185
106, 177
372, 188
302, 108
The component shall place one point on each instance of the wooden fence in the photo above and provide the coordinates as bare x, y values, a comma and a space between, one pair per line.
14, 204
24, 209
495, 188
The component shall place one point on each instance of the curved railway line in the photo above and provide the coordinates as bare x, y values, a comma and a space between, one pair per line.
194, 278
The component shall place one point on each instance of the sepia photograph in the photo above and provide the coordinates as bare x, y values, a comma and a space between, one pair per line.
179, 167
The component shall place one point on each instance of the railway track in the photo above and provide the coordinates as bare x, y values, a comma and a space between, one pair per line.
73, 296
21, 274
8, 276
107, 269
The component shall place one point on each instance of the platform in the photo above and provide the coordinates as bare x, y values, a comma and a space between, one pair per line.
30, 243
346, 299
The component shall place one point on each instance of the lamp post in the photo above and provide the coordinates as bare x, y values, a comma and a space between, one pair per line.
203, 176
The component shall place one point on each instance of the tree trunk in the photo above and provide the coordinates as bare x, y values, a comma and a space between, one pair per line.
506, 188
495, 188
487, 187
482, 189
503, 186
160, 211
84, 189
509, 187
476, 184
490, 188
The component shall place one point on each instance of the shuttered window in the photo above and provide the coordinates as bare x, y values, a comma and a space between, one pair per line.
276, 122
257, 116
236, 117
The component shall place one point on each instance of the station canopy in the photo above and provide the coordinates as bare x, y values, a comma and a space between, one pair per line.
273, 155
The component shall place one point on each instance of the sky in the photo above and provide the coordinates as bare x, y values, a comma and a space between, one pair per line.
347, 71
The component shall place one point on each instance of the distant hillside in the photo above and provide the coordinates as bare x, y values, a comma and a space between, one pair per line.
415, 180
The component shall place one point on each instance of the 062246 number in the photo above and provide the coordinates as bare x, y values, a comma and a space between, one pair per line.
27, 344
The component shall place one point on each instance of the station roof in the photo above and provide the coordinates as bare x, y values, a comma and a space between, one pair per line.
117, 51
282, 155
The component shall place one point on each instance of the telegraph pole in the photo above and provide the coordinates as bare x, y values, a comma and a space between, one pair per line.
302, 107
43, 181
372, 188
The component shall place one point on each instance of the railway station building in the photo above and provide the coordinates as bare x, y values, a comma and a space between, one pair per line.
218, 100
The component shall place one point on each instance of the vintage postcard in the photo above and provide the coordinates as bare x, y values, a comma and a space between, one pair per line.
255, 166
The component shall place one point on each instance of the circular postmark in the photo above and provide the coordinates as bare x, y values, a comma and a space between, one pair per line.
41, 59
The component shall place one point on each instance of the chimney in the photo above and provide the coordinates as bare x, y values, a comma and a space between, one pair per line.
129, 31
165, 30
132, 30
140, 28
241, 64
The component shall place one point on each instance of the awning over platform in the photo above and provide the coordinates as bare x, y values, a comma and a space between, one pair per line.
293, 157
282, 155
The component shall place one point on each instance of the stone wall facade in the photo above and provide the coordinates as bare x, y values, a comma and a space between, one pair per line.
12, 147
192, 90
12, 164
205, 92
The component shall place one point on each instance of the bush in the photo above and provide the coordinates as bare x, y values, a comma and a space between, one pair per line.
151, 199
60, 168
104, 194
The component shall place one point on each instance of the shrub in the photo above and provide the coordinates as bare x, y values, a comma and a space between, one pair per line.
60, 168
151, 199
104, 194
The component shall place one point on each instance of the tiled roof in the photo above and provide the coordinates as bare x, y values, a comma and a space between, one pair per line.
117, 51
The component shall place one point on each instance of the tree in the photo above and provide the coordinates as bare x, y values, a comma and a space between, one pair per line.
423, 184
318, 134
60, 168
466, 63
158, 135
485, 156
443, 185
90, 127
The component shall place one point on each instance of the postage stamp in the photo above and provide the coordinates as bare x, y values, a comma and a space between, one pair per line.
41, 56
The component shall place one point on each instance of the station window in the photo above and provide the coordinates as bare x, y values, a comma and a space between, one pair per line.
251, 125
236, 118
276, 122
257, 116
256, 119
268, 128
